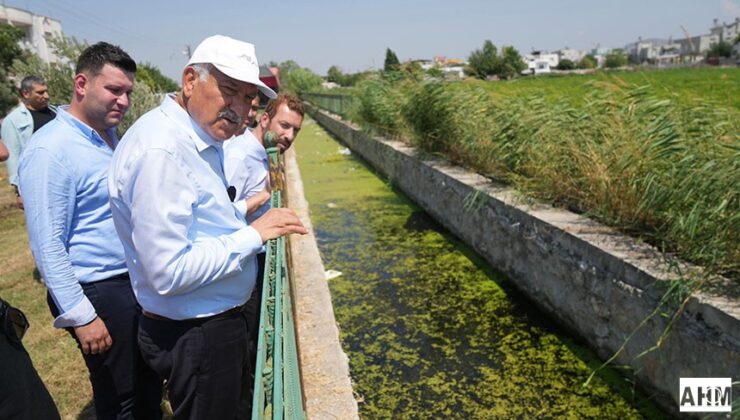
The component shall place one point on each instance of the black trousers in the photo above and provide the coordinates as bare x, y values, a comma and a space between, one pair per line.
22, 394
206, 363
124, 387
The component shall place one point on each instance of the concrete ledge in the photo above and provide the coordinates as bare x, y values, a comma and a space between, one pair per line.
599, 284
327, 387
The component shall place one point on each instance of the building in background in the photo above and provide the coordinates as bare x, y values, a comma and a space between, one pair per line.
540, 62
570, 54
37, 30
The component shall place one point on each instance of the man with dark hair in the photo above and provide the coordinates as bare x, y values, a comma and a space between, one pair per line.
190, 254
63, 176
32, 113
247, 170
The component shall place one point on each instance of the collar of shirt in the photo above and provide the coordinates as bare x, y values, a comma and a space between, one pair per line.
64, 116
209, 148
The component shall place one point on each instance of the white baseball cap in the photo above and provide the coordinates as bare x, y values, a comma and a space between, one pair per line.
236, 59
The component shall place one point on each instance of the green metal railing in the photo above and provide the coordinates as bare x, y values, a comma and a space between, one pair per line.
277, 384
340, 104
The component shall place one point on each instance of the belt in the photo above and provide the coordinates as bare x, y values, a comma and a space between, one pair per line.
233, 311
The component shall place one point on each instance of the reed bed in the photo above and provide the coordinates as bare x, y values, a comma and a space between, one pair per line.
625, 153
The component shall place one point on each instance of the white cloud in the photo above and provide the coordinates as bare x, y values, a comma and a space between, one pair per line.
731, 8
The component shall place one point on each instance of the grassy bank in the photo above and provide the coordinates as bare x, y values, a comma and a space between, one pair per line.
683, 86
54, 353
655, 154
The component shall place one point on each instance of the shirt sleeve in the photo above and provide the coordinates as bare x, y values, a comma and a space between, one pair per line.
49, 199
162, 196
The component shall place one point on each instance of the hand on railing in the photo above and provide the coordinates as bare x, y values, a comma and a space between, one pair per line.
278, 222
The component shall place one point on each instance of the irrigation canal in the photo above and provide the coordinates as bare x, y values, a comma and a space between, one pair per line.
430, 329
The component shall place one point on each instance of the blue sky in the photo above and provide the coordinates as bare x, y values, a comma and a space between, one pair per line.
354, 34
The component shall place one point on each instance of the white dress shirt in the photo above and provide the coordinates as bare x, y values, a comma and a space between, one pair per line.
189, 252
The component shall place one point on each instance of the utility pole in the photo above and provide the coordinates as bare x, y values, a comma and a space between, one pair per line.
187, 51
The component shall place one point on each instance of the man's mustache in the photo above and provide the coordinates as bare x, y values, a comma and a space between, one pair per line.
231, 116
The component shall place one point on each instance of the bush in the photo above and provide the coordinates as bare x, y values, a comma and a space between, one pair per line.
721, 49
616, 58
587, 62
566, 64
295, 79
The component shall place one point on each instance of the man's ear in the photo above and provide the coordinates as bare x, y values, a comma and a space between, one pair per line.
189, 78
264, 121
81, 84
25, 94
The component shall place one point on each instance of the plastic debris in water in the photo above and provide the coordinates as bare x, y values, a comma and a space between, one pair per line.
332, 274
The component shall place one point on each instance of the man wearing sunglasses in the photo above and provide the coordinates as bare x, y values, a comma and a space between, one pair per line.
22, 394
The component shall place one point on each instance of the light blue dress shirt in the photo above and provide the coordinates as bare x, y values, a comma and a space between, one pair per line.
64, 177
189, 251
247, 169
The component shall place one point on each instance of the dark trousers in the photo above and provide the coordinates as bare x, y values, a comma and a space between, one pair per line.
123, 385
22, 394
206, 363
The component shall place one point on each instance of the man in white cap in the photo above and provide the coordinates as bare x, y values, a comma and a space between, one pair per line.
189, 251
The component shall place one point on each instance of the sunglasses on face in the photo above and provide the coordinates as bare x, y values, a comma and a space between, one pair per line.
12, 321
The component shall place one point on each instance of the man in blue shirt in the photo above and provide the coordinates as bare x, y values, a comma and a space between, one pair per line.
63, 177
247, 170
190, 253
27, 118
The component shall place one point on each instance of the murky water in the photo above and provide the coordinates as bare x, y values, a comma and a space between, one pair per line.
431, 330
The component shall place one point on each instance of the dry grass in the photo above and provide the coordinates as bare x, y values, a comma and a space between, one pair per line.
53, 351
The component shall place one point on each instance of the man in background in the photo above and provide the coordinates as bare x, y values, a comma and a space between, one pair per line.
27, 118
63, 178
247, 170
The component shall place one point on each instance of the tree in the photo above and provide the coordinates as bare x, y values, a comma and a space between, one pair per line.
9, 51
153, 77
483, 63
296, 79
511, 63
587, 62
391, 61
335, 75
487, 62
566, 64
615, 58
722, 49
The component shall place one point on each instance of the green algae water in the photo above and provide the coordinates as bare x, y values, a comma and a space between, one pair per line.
430, 329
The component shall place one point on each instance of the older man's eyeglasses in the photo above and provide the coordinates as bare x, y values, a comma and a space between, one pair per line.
12, 322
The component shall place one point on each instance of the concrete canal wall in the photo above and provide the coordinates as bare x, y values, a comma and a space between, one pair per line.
602, 286
327, 388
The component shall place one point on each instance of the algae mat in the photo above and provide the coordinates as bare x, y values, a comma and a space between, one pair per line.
430, 329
